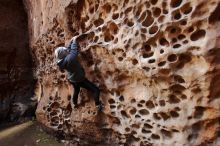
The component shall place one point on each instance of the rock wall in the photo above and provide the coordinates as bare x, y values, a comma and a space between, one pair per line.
16, 80
156, 63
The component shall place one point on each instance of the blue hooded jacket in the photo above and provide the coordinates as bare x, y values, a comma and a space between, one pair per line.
75, 72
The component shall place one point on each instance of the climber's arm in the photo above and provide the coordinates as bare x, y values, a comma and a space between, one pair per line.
73, 51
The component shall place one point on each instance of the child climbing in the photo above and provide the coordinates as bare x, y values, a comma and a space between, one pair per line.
66, 59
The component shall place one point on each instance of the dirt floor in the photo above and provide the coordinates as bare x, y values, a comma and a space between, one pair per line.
26, 134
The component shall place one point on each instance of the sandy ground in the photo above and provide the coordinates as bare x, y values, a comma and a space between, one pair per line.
26, 134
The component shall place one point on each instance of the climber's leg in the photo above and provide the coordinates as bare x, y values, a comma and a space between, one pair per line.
76, 92
93, 88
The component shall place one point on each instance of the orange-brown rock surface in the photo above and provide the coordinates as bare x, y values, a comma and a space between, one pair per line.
156, 62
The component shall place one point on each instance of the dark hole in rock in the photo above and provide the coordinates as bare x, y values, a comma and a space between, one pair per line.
175, 3
54, 124
128, 10
176, 46
157, 12
183, 96
111, 101
120, 58
107, 7
177, 87
150, 104
121, 98
55, 119
137, 116
164, 42
162, 103
153, 29
196, 127
112, 106
127, 129
186, 9
164, 115
146, 68
164, 71
173, 99
174, 40
98, 22
137, 126
185, 41
143, 30
215, 16
138, 12
147, 55
161, 19
145, 131
49, 109
144, 112
199, 111
156, 117
124, 114
173, 30
151, 61
147, 48
181, 36
165, 11
177, 16
68, 97
133, 100
161, 51
192, 137
91, 10
147, 126
179, 79
60, 127
177, 109
155, 136
183, 59
184, 22
113, 28
133, 111
172, 58
161, 63
153, 2
143, 15
174, 114
108, 37
55, 105
199, 34
190, 29
148, 21
166, 133
50, 98
130, 23
134, 61
115, 16
142, 101
139, 105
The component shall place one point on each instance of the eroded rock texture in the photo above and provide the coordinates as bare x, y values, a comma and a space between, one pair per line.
16, 80
156, 62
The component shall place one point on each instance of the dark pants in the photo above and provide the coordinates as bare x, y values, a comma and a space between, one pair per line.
87, 85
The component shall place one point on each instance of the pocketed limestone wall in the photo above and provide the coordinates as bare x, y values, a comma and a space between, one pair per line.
156, 63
